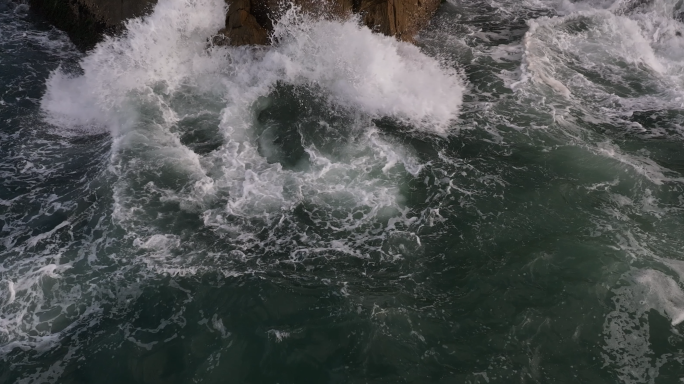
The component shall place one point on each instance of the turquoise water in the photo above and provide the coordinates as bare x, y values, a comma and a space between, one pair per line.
502, 202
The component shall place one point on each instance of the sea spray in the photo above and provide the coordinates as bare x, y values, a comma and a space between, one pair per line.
354, 67
137, 84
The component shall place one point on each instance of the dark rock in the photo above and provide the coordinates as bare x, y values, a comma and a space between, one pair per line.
242, 27
250, 21
85, 21
247, 22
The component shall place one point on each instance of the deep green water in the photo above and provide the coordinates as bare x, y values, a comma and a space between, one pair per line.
504, 203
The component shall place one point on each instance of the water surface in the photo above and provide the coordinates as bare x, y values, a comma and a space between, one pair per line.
502, 202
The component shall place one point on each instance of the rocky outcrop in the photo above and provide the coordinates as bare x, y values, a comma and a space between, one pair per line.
250, 21
85, 21
242, 26
247, 21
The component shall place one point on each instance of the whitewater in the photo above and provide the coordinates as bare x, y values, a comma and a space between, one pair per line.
502, 201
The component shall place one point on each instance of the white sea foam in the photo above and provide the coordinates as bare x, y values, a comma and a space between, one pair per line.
162, 50
137, 86
355, 68
591, 39
626, 329
370, 72
612, 40
609, 60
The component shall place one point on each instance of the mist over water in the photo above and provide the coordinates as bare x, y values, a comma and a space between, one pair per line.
500, 202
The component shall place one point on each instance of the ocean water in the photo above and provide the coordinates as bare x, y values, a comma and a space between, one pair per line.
502, 202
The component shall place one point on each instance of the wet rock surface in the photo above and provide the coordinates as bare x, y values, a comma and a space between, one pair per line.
247, 22
86, 21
